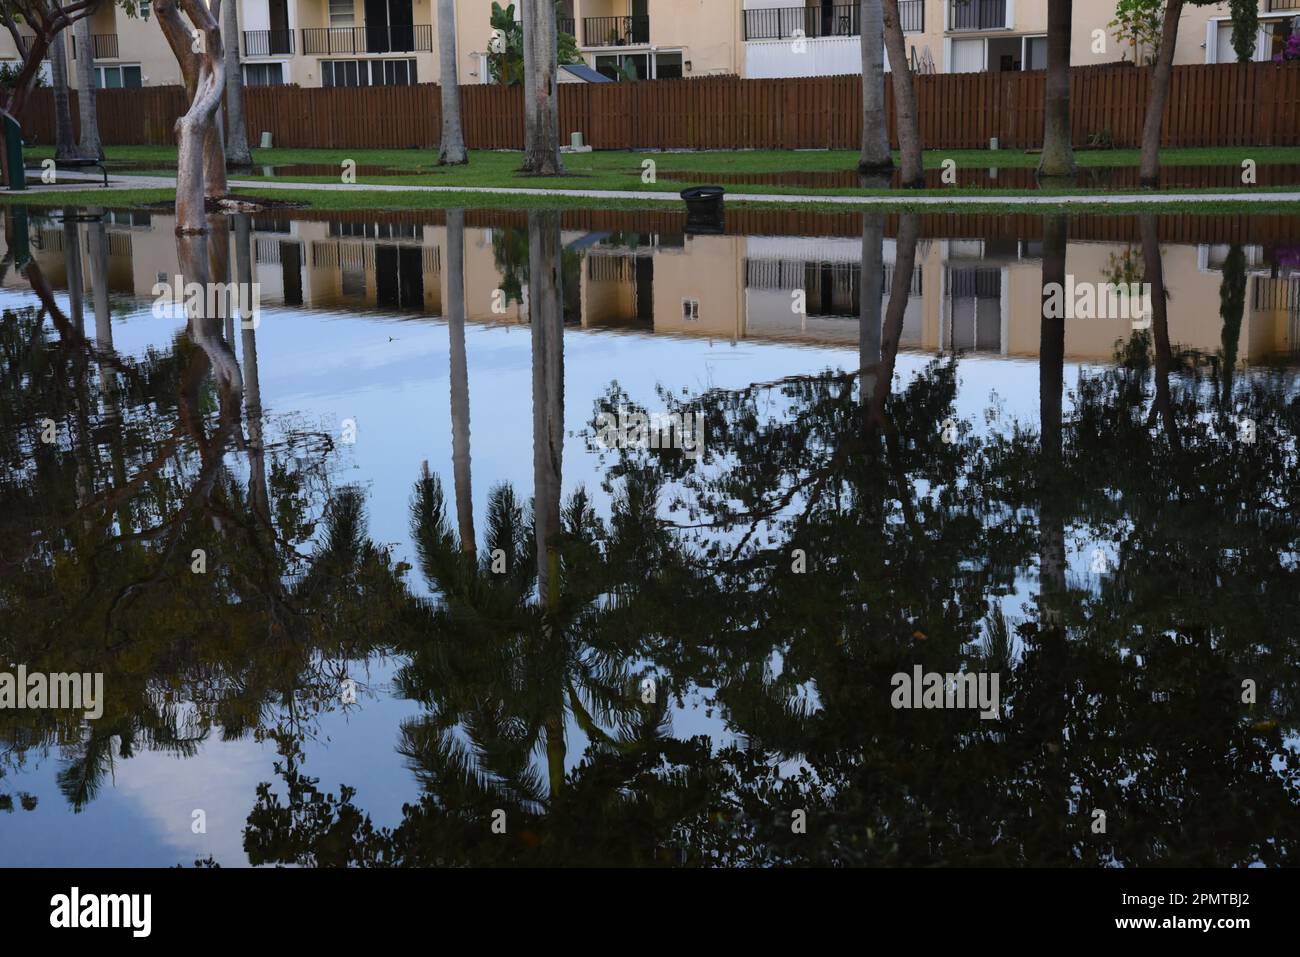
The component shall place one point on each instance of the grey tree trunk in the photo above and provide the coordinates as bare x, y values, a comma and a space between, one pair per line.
1058, 151
1154, 273
905, 110
872, 299
900, 292
258, 493
546, 318
541, 96
65, 145
238, 155
459, 380
875, 124
89, 145
451, 149
1051, 386
1161, 73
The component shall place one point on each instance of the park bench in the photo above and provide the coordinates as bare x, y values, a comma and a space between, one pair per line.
79, 163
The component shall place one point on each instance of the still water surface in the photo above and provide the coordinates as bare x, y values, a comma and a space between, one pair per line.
644, 656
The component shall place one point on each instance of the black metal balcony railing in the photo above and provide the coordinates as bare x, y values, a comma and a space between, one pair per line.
912, 13
408, 38
567, 25
977, 15
268, 42
1275, 5
615, 31
779, 23
103, 44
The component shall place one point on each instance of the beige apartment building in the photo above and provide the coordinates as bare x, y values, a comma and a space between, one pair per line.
386, 42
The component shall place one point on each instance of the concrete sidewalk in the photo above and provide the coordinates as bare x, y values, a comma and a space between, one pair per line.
84, 182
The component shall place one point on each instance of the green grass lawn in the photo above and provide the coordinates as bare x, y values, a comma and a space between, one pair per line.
622, 170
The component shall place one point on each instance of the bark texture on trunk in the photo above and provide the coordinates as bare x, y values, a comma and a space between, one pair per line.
900, 292
1051, 386
871, 304
1161, 73
451, 149
905, 109
1154, 274
65, 142
546, 318
875, 124
1058, 150
200, 160
238, 155
541, 96
89, 145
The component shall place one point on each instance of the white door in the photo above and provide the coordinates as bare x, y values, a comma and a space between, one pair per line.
967, 56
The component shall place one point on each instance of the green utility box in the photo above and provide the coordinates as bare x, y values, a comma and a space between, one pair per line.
11, 155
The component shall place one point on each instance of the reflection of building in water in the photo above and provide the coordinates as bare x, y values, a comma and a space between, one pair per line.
969, 295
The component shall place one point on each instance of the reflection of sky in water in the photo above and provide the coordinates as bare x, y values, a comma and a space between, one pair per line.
320, 368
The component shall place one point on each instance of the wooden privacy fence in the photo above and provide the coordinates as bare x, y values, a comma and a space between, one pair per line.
1230, 104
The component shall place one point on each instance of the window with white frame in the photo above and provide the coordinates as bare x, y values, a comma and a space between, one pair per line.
368, 73
263, 74
123, 76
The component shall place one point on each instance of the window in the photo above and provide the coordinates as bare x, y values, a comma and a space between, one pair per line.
144, 9
117, 77
368, 73
668, 66
342, 13
263, 74
625, 66
1035, 53
690, 310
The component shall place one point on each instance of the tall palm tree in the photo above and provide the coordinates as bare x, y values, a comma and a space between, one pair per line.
89, 145
459, 378
905, 109
541, 90
876, 156
1058, 152
65, 146
238, 155
451, 149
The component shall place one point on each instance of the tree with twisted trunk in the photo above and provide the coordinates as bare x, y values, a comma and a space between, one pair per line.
905, 110
200, 159
451, 149
876, 157
541, 96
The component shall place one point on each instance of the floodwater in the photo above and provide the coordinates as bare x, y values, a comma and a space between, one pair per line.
370, 581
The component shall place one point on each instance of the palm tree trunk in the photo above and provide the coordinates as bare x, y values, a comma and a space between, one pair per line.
905, 110
876, 156
451, 150
238, 155
459, 380
546, 317
90, 146
65, 146
258, 495
541, 94
1161, 74
871, 296
1058, 151
1051, 386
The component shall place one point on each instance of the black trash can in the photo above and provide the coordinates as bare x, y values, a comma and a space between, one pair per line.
704, 209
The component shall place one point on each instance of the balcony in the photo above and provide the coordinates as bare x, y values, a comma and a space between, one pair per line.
615, 31
1278, 5
567, 25
330, 41
781, 23
268, 43
969, 15
104, 46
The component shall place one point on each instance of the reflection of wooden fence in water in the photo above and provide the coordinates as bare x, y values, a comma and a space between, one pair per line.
1222, 104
